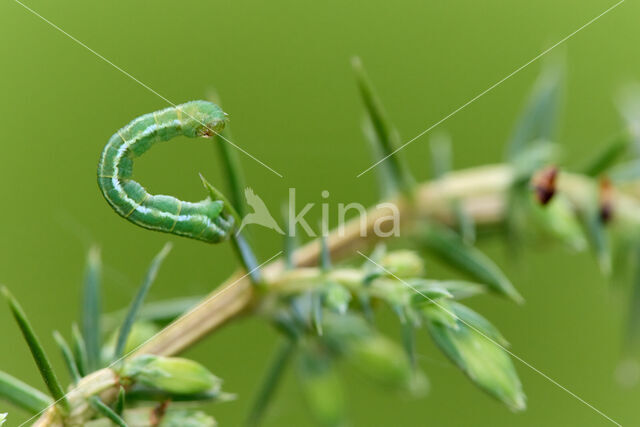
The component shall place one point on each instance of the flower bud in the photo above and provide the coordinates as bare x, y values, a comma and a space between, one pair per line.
337, 298
170, 374
403, 264
381, 360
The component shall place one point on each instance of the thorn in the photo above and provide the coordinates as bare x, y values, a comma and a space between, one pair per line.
606, 200
544, 184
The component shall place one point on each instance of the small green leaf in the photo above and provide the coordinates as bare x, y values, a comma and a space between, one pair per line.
247, 257
106, 411
325, 252
598, 236
464, 222
240, 244
67, 355
290, 239
447, 245
539, 116
336, 297
23, 395
483, 359
372, 268
559, 220
474, 319
267, 390
409, 342
459, 289
441, 313
608, 155
364, 300
633, 320
322, 389
441, 154
125, 329
231, 164
424, 292
384, 174
215, 194
39, 355
387, 137
120, 402
91, 308
79, 350
316, 309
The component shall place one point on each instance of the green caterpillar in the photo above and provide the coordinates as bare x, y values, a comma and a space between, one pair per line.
207, 220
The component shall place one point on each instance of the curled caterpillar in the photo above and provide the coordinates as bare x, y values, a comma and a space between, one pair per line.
207, 220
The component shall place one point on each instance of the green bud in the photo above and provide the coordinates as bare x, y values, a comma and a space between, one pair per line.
171, 374
478, 351
322, 388
382, 360
337, 298
403, 264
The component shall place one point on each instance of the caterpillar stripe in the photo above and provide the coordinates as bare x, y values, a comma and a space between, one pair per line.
206, 220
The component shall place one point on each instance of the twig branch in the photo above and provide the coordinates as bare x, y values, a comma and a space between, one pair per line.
481, 191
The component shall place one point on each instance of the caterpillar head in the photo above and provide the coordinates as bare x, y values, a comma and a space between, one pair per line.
202, 119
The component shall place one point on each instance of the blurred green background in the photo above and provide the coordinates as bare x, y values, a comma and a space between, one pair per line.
282, 69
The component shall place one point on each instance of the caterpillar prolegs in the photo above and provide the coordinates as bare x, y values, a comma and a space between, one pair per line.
207, 220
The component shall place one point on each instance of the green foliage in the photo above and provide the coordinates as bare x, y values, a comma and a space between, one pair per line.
559, 220
170, 374
91, 309
327, 313
106, 411
471, 344
38, 353
598, 237
150, 277
266, 391
321, 387
67, 355
231, 164
120, 402
608, 155
79, 351
22, 395
539, 117
385, 138
448, 246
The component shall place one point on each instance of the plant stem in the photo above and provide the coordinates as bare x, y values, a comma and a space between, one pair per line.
482, 193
